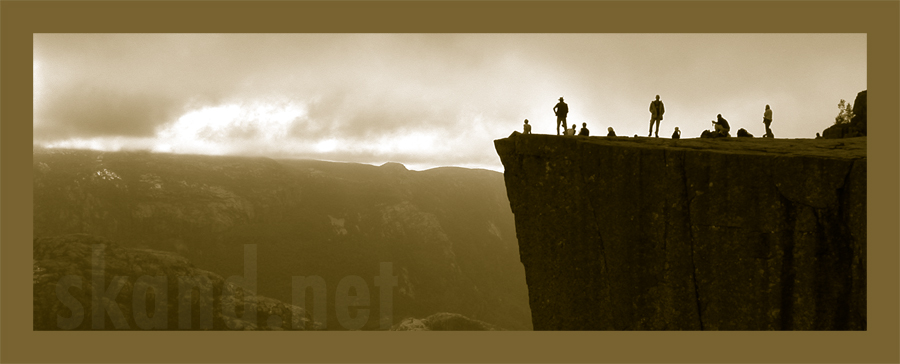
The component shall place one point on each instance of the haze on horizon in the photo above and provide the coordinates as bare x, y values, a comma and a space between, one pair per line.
424, 100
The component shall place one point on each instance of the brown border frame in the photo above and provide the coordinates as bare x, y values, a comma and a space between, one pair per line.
19, 19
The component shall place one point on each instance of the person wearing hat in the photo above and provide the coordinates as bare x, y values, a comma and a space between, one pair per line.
561, 110
656, 114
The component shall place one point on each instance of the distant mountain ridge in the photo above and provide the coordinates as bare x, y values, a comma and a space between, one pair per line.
448, 233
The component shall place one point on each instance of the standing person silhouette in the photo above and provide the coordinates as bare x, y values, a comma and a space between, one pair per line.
561, 110
527, 127
656, 114
767, 119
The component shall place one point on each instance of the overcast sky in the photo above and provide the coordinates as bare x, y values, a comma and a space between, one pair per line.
424, 100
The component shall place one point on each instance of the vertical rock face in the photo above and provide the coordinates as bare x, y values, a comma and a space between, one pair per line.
711, 234
860, 116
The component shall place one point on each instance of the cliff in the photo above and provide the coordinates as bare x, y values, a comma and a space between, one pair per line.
691, 234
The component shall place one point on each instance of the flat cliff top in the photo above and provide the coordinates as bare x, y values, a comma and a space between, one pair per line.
848, 148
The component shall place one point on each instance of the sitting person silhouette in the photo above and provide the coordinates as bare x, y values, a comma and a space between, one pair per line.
610, 132
527, 127
722, 127
571, 132
676, 134
584, 130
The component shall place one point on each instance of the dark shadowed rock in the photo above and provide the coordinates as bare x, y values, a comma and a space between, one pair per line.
857, 126
691, 234
444, 321
840, 131
860, 108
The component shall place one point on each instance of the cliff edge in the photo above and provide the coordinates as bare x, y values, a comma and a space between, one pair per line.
691, 234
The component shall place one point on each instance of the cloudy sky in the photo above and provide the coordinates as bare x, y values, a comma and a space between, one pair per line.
424, 100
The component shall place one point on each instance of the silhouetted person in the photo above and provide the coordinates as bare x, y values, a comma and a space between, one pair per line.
818, 136
767, 119
527, 127
676, 134
611, 132
656, 114
722, 127
584, 130
571, 131
561, 110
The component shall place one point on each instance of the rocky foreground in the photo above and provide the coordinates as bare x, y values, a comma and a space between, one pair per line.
84, 282
691, 234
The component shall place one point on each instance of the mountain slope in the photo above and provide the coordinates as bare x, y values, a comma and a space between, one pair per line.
447, 234
85, 282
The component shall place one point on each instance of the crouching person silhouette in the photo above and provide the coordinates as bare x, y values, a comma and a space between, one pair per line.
722, 127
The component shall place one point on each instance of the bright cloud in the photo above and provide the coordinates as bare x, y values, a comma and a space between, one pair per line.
422, 99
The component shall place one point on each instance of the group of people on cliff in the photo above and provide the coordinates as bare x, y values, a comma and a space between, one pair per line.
657, 109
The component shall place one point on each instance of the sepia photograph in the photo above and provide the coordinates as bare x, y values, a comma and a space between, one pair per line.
528, 183
370, 181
